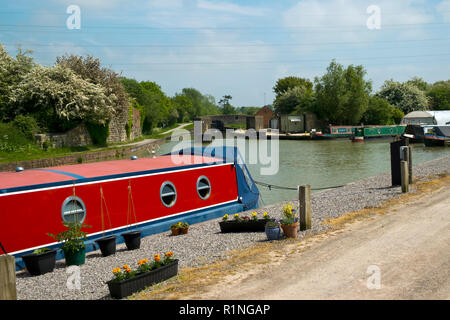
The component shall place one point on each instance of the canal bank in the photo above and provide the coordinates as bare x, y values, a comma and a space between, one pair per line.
205, 244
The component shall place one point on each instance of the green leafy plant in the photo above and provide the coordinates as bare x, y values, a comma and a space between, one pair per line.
41, 250
288, 214
184, 225
73, 238
272, 224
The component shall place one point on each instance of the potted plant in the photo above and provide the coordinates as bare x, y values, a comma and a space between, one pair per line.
40, 261
175, 228
132, 239
127, 281
184, 228
244, 223
107, 245
179, 228
288, 222
272, 230
73, 244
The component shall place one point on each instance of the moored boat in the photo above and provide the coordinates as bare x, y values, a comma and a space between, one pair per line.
437, 136
192, 185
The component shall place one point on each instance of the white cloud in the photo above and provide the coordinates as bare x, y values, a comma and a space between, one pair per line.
231, 8
444, 9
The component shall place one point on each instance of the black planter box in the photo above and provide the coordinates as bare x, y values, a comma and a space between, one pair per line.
40, 263
244, 226
137, 283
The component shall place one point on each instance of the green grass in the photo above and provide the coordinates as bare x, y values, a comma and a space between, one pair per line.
236, 126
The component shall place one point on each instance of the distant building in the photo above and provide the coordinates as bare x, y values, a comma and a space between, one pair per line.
267, 115
440, 118
303, 122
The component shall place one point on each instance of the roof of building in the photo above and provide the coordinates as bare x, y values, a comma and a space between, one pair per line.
441, 117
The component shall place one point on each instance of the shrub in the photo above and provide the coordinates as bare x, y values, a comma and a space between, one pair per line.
99, 133
12, 139
27, 125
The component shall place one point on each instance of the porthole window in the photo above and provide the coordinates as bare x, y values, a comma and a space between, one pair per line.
168, 194
73, 210
203, 187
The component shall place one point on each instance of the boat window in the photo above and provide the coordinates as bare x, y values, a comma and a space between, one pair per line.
73, 210
203, 187
168, 194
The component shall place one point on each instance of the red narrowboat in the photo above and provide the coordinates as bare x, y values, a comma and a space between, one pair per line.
205, 184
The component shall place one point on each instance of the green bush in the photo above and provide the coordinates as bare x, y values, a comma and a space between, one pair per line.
99, 133
12, 139
27, 125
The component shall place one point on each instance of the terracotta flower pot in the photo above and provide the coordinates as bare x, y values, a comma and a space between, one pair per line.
175, 231
290, 230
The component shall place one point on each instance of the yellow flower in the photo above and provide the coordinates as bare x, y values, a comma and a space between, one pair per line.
169, 254
157, 258
254, 214
116, 270
128, 270
125, 266
265, 214
225, 216
236, 214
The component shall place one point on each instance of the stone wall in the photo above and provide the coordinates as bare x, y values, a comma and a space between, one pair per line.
117, 130
136, 129
76, 137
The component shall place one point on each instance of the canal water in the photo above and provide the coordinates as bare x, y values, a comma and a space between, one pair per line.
325, 163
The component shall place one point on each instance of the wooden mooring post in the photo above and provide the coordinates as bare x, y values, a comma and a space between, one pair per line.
8, 278
405, 176
304, 198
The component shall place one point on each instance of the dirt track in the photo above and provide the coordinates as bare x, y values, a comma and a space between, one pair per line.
409, 245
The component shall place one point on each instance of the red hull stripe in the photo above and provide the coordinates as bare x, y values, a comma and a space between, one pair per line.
36, 187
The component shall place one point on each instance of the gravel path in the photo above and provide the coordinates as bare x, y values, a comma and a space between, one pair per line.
204, 242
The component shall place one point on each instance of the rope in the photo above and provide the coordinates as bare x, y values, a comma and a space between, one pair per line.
131, 206
103, 201
274, 186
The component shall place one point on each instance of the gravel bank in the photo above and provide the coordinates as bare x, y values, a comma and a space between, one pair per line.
204, 242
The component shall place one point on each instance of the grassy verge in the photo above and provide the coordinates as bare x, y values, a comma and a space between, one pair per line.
193, 283
32, 152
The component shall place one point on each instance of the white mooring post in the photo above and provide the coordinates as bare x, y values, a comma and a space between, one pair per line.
304, 198
8, 278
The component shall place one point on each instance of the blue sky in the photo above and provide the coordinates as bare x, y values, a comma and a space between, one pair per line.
237, 47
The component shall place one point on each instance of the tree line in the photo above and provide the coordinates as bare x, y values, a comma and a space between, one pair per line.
343, 96
77, 89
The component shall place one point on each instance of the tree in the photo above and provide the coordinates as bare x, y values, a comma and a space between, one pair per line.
295, 100
59, 98
227, 108
183, 106
380, 112
439, 96
12, 72
287, 83
405, 96
89, 68
419, 83
342, 95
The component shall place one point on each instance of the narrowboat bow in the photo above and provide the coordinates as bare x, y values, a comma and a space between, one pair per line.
191, 185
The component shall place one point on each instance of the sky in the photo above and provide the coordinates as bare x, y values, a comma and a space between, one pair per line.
237, 48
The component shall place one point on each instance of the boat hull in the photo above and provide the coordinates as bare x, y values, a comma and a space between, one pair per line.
29, 213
